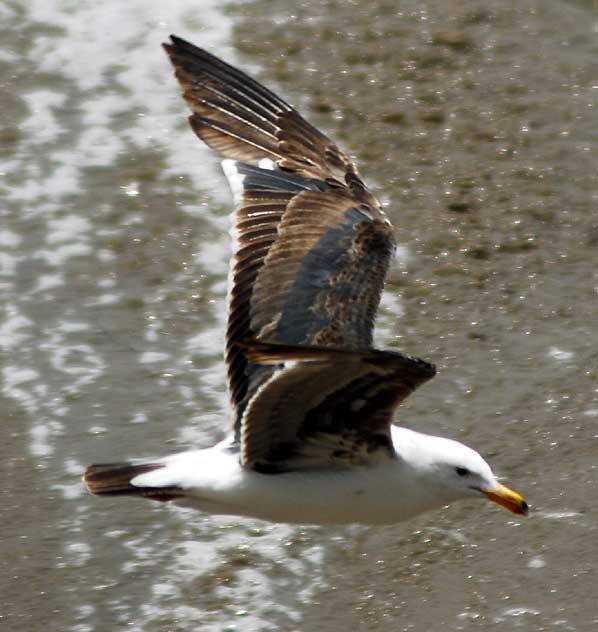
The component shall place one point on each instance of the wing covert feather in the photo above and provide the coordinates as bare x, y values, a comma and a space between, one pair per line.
325, 407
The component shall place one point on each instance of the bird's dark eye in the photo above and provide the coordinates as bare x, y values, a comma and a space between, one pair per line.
462, 471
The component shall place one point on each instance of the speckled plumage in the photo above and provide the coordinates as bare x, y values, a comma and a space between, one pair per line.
312, 403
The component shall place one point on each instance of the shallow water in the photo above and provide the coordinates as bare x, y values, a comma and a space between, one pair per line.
478, 127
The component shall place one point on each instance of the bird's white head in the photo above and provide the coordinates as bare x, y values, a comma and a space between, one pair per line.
453, 469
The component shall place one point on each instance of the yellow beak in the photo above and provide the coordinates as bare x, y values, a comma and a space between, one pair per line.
508, 498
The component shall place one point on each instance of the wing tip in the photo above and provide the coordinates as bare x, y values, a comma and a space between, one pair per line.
174, 44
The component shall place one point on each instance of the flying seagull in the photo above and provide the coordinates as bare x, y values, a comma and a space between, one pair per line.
312, 402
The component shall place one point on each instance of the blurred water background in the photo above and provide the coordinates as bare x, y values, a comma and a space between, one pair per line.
476, 125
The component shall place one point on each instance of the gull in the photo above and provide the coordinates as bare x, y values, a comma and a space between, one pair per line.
312, 402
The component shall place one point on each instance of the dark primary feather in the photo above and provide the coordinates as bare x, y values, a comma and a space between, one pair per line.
241, 119
327, 407
313, 246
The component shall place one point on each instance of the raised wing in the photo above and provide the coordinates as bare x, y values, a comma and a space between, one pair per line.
325, 407
241, 119
312, 244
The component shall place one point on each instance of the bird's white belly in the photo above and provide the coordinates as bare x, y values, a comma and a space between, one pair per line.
216, 483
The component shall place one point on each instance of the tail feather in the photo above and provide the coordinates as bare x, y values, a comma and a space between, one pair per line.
114, 479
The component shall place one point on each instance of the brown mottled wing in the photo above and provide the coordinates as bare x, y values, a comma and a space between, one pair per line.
312, 245
325, 407
309, 268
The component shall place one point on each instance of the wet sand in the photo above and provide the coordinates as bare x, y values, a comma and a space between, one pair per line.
478, 127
